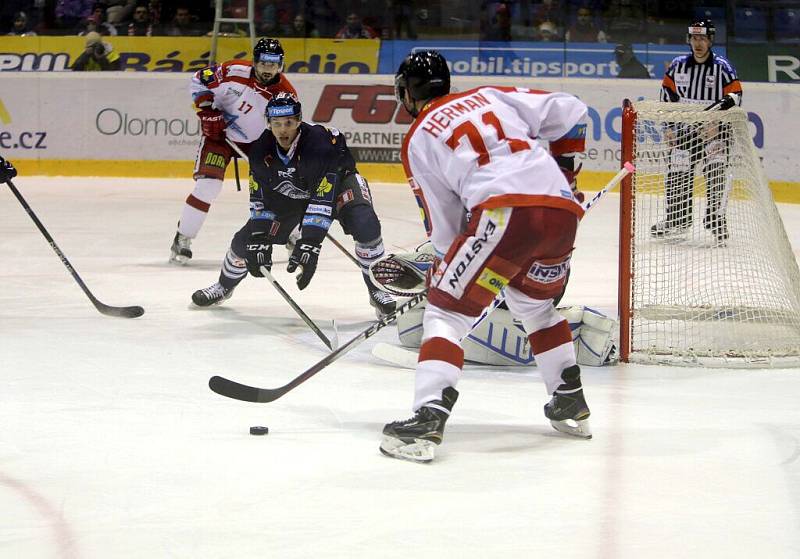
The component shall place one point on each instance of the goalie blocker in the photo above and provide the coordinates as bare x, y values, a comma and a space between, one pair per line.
498, 340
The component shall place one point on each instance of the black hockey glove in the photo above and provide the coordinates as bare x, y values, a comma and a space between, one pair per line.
7, 170
259, 253
305, 255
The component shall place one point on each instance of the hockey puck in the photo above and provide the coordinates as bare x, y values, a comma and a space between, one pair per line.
259, 430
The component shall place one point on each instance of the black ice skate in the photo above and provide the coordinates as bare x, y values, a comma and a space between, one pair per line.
668, 229
213, 295
567, 410
181, 250
383, 303
415, 439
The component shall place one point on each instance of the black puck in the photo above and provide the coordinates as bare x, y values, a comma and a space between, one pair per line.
259, 430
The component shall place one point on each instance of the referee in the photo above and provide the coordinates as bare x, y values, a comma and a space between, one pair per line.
704, 78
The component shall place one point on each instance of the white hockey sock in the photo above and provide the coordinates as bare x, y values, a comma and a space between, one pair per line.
195, 210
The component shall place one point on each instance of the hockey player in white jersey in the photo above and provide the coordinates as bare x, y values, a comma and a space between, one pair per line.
230, 100
501, 215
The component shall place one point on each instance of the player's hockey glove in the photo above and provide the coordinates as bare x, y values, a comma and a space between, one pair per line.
212, 122
259, 253
7, 170
304, 255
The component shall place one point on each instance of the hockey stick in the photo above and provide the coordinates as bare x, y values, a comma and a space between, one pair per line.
407, 358
122, 312
332, 345
238, 391
236, 174
339, 245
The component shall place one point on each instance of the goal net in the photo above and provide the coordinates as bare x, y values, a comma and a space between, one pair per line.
707, 273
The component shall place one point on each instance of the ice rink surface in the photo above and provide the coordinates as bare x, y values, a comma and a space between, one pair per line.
112, 445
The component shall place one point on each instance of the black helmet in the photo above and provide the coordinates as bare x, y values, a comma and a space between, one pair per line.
268, 50
424, 74
702, 27
284, 104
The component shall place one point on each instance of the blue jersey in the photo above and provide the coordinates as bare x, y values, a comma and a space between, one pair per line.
299, 185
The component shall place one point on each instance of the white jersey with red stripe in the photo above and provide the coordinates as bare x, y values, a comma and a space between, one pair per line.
232, 89
478, 149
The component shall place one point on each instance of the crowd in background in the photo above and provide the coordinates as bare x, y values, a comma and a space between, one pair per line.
618, 21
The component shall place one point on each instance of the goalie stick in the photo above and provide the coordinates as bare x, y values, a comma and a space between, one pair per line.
407, 358
238, 391
108, 310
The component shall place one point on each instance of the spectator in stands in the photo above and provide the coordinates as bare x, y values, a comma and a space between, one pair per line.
140, 26
584, 30
548, 10
403, 15
21, 27
548, 31
498, 27
70, 13
302, 28
354, 29
629, 66
625, 21
322, 15
154, 12
120, 11
183, 24
272, 17
98, 56
96, 22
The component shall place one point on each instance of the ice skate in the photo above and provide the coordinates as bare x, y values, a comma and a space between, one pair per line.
415, 439
668, 229
213, 295
181, 250
568, 412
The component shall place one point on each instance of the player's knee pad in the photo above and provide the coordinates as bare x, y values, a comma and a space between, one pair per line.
535, 314
206, 190
360, 221
441, 323
680, 160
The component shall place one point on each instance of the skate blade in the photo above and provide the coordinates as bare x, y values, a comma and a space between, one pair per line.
420, 450
576, 428
178, 259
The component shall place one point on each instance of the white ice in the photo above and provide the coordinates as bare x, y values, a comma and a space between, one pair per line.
112, 445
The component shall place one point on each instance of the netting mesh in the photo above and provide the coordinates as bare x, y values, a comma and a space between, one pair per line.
714, 279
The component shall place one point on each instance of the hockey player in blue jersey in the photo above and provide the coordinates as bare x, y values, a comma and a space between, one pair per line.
300, 175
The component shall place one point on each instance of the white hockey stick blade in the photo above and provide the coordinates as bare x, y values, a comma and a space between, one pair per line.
395, 355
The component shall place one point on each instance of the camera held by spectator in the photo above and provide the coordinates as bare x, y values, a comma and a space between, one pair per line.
97, 56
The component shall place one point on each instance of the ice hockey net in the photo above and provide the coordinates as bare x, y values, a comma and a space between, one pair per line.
708, 278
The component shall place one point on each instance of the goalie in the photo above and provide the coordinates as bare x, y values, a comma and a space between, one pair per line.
496, 338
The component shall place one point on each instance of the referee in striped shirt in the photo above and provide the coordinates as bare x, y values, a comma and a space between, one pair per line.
704, 78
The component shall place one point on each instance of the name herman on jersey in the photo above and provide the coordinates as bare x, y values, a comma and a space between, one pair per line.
440, 119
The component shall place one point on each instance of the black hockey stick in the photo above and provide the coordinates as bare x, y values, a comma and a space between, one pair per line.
341, 247
238, 391
307, 319
123, 312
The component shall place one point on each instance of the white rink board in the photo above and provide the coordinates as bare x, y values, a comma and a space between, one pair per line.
133, 116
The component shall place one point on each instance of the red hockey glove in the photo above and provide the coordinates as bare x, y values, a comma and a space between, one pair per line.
212, 123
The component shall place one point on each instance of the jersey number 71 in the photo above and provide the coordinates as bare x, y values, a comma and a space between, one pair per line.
475, 138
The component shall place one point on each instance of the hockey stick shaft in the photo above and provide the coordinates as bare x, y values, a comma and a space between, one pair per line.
627, 168
123, 312
237, 391
236, 173
288, 298
341, 247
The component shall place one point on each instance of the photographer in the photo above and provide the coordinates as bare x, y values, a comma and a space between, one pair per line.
98, 56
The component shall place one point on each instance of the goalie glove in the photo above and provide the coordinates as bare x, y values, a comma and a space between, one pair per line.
403, 274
